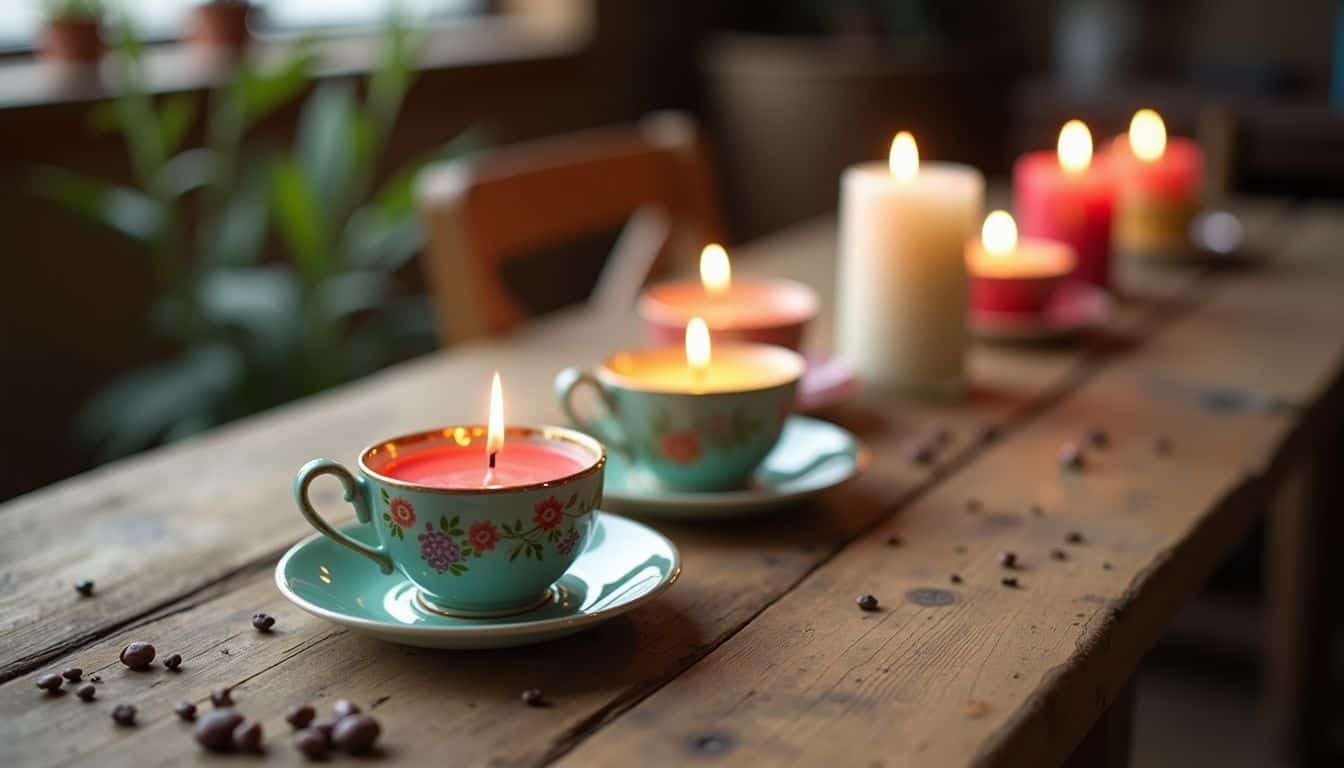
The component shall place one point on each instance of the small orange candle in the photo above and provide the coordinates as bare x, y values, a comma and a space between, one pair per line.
1159, 185
1012, 274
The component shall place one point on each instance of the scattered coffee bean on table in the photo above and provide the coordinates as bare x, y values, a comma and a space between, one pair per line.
1098, 438
1038, 510
247, 736
1162, 444
960, 549
138, 655
1008, 559
86, 692
214, 730
1058, 554
84, 587
173, 662
955, 578
1010, 582
342, 708
989, 433
893, 541
1070, 456
866, 602
124, 714
972, 505
263, 621
532, 697
222, 698
185, 710
313, 744
356, 733
1106, 566
50, 682
95, 678
325, 727
921, 453
300, 716
73, 674
1073, 537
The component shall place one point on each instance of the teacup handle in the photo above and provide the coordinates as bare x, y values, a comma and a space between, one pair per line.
356, 492
567, 382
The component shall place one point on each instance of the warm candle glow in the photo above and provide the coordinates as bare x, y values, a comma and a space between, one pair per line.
697, 344
1075, 147
494, 440
1147, 135
904, 157
999, 233
716, 274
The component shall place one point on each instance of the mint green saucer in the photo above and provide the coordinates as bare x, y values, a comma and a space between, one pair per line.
625, 565
811, 456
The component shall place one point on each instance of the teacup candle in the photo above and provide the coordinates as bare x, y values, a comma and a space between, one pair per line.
698, 417
1009, 274
1159, 186
483, 520
768, 311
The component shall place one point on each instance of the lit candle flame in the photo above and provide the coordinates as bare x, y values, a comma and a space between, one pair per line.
494, 440
697, 344
1147, 135
716, 274
1075, 147
999, 233
904, 157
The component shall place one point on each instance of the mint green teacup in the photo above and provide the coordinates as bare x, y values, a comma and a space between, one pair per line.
476, 552
705, 430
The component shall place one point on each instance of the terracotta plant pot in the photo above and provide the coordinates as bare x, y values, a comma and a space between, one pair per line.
219, 25
77, 40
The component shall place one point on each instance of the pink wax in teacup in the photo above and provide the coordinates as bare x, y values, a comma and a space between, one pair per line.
760, 310
525, 459
1015, 275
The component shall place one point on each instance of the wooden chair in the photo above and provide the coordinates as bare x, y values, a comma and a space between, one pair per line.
486, 211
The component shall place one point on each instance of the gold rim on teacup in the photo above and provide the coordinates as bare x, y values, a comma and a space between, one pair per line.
465, 435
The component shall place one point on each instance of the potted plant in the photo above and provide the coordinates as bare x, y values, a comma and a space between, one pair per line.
220, 24
72, 31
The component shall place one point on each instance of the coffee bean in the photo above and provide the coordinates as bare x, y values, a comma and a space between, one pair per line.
325, 727
955, 578
50, 682
532, 697
1073, 537
86, 692
214, 730
1106, 566
263, 622
942, 436
173, 662
920, 453
1009, 581
185, 710
84, 587
1008, 559
1037, 510
300, 716
95, 678
1098, 437
73, 674
866, 602
1058, 554
893, 541
124, 714
138, 655
1070, 456
972, 505
221, 698
342, 708
311, 743
989, 433
355, 734
960, 549
247, 736
1162, 444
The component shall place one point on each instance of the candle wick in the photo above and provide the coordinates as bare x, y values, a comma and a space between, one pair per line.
492, 459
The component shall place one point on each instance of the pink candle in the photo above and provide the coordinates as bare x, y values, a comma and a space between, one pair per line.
1015, 275
1159, 186
522, 461
756, 310
1064, 196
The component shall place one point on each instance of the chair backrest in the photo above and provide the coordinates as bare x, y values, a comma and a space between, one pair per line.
485, 211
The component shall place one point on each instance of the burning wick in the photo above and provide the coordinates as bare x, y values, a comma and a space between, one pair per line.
697, 348
494, 440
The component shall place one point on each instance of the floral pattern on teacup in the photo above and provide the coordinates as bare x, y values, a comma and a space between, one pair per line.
684, 440
446, 547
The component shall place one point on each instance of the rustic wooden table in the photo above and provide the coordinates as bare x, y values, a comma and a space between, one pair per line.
758, 656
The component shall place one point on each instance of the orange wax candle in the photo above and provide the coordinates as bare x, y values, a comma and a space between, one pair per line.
1159, 185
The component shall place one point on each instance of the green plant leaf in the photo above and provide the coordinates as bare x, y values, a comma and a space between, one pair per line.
126, 211
238, 229
259, 92
299, 217
176, 115
324, 143
186, 172
340, 296
259, 306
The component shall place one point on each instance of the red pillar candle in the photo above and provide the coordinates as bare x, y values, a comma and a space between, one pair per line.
1065, 196
1159, 188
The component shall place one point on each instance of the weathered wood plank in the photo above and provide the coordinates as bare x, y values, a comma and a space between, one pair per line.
732, 572
978, 673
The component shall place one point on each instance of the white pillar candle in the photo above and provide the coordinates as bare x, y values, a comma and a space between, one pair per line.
903, 283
